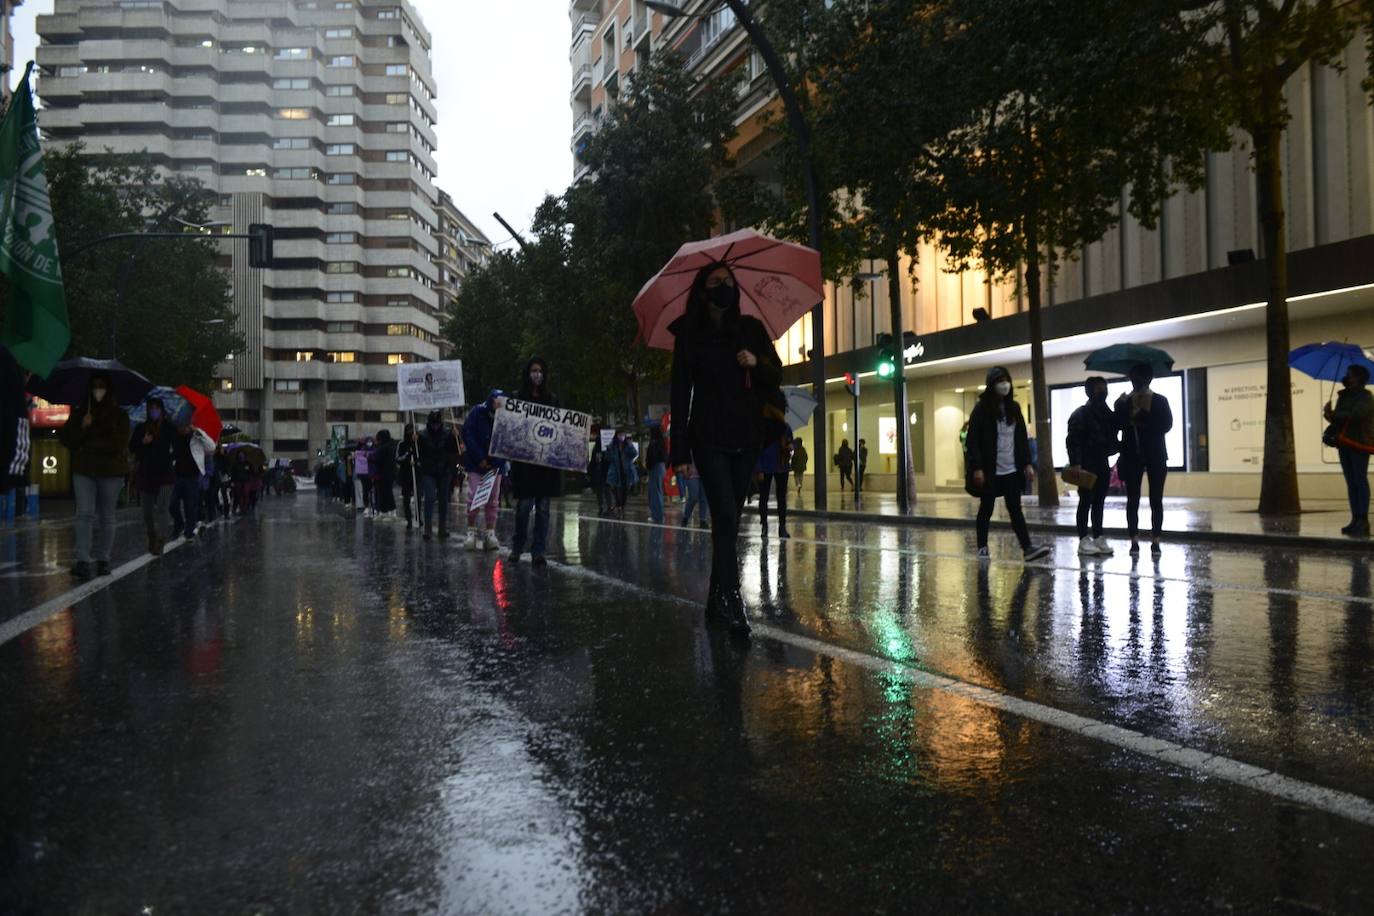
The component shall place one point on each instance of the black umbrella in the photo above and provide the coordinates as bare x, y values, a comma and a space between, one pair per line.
70, 382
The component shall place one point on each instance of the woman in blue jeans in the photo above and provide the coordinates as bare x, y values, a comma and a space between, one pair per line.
97, 434
536, 486
1352, 419
655, 463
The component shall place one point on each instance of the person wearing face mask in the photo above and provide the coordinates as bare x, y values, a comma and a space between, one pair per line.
407, 472
1352, 429
1144, 419
535, 485
999, 460
437, 447
478, 462
621, 473
1092, 440
725, 369
151, 444
97, 435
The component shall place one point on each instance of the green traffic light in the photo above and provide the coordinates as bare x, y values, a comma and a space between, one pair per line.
886, 369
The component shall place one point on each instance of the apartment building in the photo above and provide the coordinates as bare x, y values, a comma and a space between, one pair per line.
7, 61
1192, 285
315, 116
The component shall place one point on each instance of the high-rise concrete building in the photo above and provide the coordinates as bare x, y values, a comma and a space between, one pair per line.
7, 62
315, 116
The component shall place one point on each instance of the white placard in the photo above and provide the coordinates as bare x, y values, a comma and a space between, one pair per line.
541, 434
482, 495
607, 437
428, 386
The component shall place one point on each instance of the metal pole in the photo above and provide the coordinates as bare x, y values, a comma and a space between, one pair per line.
519, 240
797, 123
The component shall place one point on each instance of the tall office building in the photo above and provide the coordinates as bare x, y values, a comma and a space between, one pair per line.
7, 62
316, 116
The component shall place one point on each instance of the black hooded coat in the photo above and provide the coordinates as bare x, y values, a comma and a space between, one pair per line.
534, 481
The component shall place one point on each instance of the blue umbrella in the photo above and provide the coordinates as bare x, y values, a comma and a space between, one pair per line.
1121, 358
173, 403
1328, 361
800, 406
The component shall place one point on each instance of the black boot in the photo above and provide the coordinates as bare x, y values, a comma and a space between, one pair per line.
715, 605
1350, 527
1360, 528
428, 535
735, 615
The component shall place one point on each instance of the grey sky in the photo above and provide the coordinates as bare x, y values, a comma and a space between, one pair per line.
504, 120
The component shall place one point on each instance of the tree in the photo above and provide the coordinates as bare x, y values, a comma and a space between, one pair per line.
491, 302
160, 294
1252, 48
1080, 110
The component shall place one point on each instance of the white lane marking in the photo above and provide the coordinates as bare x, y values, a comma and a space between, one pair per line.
1333, 801
17, 626
1133, 574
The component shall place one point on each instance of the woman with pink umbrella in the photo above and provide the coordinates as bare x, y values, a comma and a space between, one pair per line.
723, 365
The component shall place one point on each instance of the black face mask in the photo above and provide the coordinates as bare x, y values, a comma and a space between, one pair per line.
1099, 396
724, 297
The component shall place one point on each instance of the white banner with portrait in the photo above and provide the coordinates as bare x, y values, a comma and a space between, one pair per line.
430, 386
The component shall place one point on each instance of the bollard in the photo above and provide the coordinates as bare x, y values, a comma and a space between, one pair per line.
31, 508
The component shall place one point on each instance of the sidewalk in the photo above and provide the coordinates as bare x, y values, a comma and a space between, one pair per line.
1187, 520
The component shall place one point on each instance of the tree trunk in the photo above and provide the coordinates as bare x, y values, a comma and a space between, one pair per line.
1048, 486
906, 490
1279, 481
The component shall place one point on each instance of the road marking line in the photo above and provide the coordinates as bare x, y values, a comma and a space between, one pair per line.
1133, 574
17, 626
1332, 801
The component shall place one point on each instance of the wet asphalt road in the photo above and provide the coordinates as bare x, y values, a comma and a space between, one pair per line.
306, 714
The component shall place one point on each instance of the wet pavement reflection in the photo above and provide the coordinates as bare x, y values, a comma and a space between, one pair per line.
316, 714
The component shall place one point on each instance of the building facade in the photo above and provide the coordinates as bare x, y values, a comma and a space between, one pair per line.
314, 116
1193, 285
7, 61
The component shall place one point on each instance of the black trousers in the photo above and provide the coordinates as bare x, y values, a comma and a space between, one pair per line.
725, 478
777, 482
846, 473
1093, 502
1008, 487
1132, 474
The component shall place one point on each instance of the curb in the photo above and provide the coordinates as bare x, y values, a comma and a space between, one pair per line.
1346, 545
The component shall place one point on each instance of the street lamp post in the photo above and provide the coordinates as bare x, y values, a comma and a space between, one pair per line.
797, 123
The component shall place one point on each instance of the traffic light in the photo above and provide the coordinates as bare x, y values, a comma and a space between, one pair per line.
259, 245
851, 383
887, 357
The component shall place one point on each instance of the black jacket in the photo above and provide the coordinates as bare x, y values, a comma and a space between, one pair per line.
1144, 443
1092, 436
980, 451
438, 454
715, 402
535, 481
155, 458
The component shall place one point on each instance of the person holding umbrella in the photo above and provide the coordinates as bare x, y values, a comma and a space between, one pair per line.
151, 444
1352, 430
97, 435
1144, 419
723, 363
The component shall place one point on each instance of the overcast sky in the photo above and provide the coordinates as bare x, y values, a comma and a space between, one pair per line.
504, 121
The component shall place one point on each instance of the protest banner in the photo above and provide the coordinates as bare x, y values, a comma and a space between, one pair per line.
607, 437
429, 386
482, 495
540, 434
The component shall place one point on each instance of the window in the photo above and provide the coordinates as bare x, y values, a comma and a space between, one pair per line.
286, 384
344, 5
304, 356
71, 70
398, 214
292, 54
293, 114
291, 84
402, 302
397, 155
342, 297
397, 69
341, 267
342, 208
341, 327
341, 238
341, 178
389, 13
397, 98
397, 359
397, 127
291, 143
340, 120
399, 272
342, 60
290, 445
299, 173
339, 149
338, 91
398, 330
338, 33
343, 356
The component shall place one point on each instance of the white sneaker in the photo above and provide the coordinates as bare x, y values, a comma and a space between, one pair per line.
1087, 547
491, 542
1103, 548
470, 542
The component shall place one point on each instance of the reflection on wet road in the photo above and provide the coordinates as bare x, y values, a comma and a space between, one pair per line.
309, 714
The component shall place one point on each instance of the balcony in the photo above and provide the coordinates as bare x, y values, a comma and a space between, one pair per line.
640, 30
610, 72
583, 125
582, 81
586, 22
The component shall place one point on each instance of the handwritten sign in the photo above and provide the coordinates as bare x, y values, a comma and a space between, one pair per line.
541, 434
482, 495
428, 386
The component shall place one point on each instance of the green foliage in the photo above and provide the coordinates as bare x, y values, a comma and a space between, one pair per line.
171, 287
566, 296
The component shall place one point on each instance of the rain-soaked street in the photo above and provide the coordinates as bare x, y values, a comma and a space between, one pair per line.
307, 714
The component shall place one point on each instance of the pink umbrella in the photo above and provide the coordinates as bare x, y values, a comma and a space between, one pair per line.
778, 281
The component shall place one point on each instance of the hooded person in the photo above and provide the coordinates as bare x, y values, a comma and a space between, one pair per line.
383, 467
152, 446
535, 485
725, 372
436, 449
97, 436
998, 458
477, 462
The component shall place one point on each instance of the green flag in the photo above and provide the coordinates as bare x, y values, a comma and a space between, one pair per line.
35, 327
